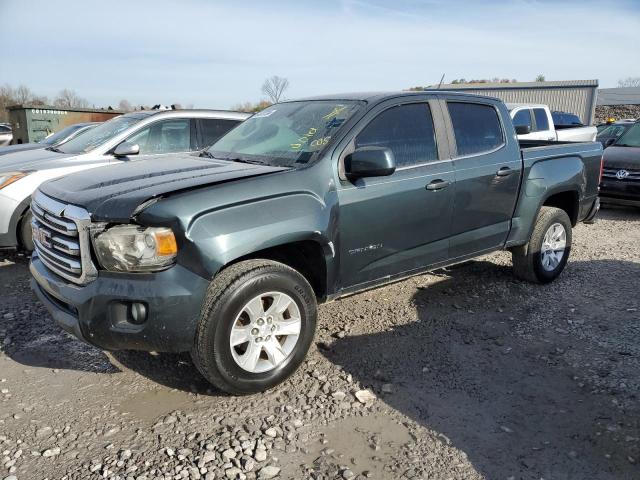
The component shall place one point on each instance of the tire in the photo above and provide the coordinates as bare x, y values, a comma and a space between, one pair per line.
231, 301
533, 262
24, 232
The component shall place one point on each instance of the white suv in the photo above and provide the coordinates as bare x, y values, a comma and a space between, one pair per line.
124, 138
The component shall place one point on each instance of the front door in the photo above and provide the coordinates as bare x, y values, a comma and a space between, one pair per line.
399, 223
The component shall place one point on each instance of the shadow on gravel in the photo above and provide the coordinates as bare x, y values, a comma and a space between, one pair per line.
512, 405
172, 370
29, 336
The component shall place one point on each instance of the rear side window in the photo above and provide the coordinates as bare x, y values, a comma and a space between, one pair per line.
476, 127
407, 130
522, 118
542, 122
212, 129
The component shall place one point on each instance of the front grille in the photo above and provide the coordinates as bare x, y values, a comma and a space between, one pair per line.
61, 238
632, 174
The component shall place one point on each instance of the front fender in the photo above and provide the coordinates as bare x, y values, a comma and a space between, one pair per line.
220, 236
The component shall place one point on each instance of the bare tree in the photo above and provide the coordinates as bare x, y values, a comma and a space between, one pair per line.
70, 99
125, 106
629, 82
274, 88
540, 78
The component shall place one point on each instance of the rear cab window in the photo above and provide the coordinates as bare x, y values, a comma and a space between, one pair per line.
476, 127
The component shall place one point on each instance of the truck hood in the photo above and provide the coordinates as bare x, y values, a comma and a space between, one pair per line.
113, 193
622, 157
32, 160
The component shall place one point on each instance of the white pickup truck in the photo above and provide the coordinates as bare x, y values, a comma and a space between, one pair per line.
540, 122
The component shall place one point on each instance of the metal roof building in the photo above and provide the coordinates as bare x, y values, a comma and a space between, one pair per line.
619, 96
575, 96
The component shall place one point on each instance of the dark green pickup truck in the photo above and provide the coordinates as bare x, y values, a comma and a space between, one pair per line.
225, 254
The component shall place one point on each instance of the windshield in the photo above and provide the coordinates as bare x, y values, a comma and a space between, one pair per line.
631, 138
286, 134
97, 136
612, 131
61, 135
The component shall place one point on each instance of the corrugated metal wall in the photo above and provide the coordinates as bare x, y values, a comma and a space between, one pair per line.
578, 98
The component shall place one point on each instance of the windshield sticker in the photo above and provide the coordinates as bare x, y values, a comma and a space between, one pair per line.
335, 123
265, 113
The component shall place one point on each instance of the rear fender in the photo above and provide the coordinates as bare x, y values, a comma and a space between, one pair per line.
545, 179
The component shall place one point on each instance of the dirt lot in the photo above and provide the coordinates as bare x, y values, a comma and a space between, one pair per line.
470, 374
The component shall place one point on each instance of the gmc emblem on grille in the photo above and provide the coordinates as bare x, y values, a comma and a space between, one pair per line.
41, 236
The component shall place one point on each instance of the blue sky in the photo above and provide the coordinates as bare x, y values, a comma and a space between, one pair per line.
217, 54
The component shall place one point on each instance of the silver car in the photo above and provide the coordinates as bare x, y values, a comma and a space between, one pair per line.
124, 138
6, 134
57, 138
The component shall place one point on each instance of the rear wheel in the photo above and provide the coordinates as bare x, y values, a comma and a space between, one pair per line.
256, 326
545, 256
24, 232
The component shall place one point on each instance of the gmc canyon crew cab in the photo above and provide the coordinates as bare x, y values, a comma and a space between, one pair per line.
536, 122
226, 255
127, 137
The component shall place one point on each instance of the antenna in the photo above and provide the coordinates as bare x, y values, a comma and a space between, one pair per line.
441, 80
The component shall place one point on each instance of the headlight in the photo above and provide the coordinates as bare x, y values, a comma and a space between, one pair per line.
132, 248
8, 178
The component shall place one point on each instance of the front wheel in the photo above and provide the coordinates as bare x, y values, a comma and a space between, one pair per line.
256, 326
24, 232
545, 256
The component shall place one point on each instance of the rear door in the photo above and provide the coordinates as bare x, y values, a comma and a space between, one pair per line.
487, 177
395, 224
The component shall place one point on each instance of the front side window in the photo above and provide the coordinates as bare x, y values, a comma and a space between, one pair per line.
99, 135
542, 121
522, 118
289, 134
476, 127
407, 130
212, 129
166, 136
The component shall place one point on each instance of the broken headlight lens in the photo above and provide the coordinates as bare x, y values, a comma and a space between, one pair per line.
132, 248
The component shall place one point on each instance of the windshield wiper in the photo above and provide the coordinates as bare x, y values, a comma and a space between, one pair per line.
244, 160
206, 153
54, 149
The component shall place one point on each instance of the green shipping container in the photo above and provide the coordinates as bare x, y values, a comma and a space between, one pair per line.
33, 123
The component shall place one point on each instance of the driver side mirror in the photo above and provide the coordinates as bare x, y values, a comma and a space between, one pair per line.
370, 162
126, 149
523, 129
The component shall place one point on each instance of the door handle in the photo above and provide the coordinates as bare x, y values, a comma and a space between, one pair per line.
504, 172
438, 185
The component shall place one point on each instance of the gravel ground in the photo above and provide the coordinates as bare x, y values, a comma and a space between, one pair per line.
465, 373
